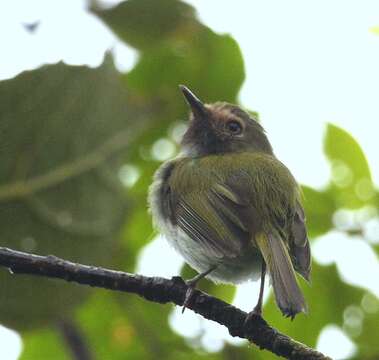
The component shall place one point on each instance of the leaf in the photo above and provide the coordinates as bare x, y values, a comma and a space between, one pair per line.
108, 330
63, 139
367, 339
319, 208
44, 344
176, 48
147, 23
138, 231
197, 61
126, 324
351, 185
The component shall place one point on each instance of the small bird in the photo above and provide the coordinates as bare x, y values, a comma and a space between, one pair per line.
231, 208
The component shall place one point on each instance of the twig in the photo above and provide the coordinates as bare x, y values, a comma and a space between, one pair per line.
162, 290
74, 339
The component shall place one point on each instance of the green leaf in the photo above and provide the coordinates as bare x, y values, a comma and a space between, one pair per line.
108, 330
44, 344
351, 185
319, 208
208, 63
367, 339
126, 324
63, 139
176, 48
138, 231
147, 23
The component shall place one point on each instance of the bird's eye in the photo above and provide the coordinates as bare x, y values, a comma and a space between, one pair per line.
234, 127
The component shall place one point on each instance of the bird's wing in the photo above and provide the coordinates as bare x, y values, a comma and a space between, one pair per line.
211, 219
211, 216
301, 253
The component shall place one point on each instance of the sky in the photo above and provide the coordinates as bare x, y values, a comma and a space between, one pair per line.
307, 63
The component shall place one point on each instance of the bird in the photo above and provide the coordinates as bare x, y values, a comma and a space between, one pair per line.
231, 208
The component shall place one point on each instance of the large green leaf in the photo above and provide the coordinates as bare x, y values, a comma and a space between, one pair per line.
63, 136
210, 64
147, 23
352, 185
180, 51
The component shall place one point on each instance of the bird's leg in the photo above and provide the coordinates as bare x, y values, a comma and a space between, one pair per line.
258, 308
257, 311
192, 285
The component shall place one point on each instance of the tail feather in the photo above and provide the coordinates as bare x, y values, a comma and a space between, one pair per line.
287, 292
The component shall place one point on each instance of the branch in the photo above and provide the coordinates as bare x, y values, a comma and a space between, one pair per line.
162, 290
74, 339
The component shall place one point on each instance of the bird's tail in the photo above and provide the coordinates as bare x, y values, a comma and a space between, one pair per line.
288, 295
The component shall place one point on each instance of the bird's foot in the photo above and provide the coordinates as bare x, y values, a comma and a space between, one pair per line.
192, 286
253, 315
189, 293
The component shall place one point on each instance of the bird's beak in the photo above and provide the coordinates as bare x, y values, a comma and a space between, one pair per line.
197, 107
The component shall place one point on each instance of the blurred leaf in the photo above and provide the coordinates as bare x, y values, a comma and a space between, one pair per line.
367, 340
198, 61
127, 324
319, 209
108, 330
62, 135
44, 344
327, 298
176, 48
352, 186
147, 23
138, 231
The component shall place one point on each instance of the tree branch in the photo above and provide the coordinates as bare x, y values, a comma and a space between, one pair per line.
162, 290
74, 339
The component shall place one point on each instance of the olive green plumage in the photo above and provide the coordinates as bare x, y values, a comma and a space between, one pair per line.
228, 202
223, 187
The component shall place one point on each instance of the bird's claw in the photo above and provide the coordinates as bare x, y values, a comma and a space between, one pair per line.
256, 313
189, 293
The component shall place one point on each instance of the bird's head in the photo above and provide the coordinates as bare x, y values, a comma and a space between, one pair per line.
221, 128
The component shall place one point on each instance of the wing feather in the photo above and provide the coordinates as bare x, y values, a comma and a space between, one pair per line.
208, 221
301, 252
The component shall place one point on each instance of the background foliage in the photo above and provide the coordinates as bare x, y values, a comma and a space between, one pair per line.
71, 140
